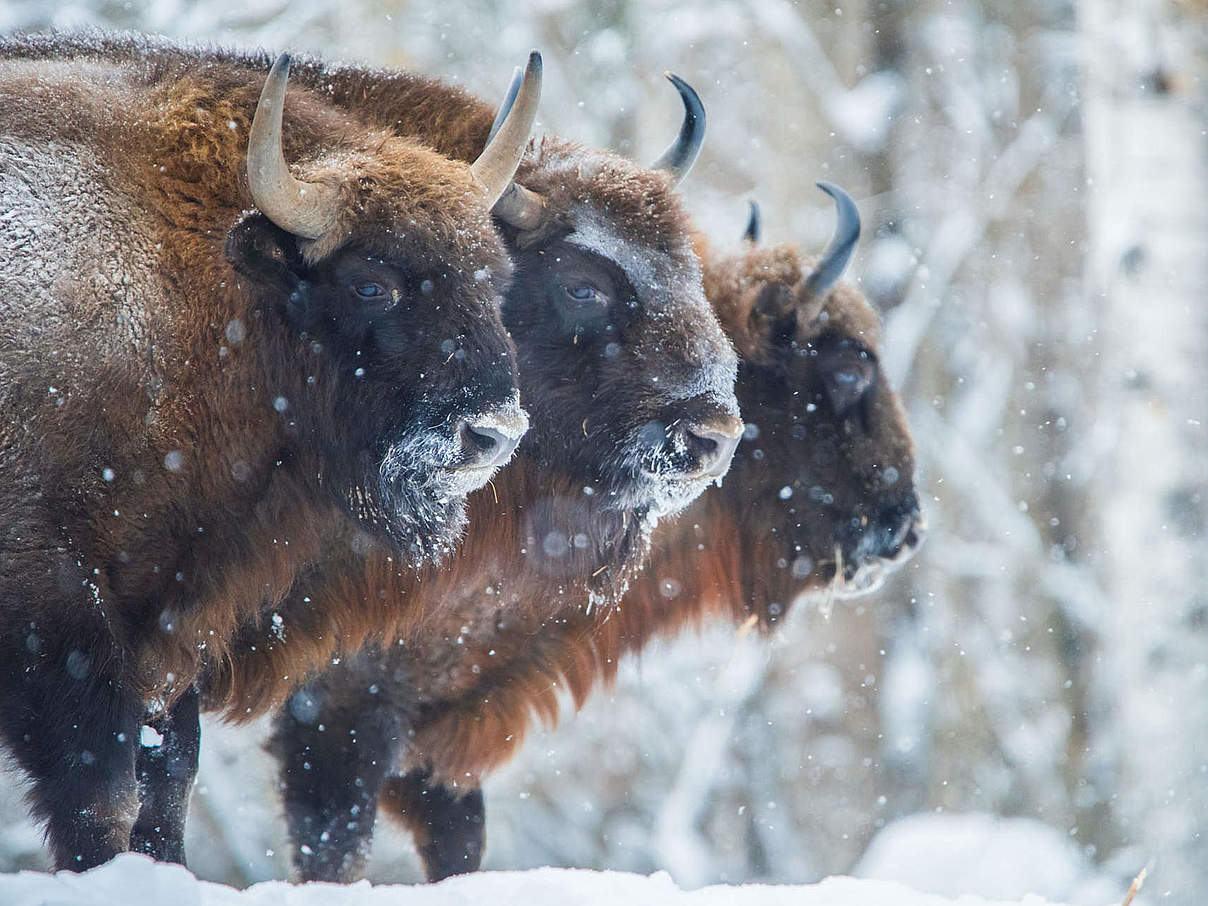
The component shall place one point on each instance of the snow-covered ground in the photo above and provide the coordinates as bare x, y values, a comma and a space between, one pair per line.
136, 879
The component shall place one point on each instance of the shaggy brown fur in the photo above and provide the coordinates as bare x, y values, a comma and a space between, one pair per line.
499, 638
189, 392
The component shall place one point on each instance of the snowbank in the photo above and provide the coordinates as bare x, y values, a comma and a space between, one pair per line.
136, 879
986, 855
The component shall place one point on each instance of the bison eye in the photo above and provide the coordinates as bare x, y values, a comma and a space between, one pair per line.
370, 290
847, 385
583, 293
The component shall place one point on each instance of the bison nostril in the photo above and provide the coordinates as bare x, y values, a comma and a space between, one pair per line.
485, 439
714, 443
916, 533
902, 530
489, 442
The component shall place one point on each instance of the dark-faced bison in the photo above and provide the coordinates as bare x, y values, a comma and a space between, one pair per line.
205, 354
617, 341
820, 498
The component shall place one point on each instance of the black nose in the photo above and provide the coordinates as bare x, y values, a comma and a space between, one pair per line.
713, 443
897, 532
489, 441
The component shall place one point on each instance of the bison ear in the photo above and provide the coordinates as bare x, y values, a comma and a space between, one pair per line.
267, 255
774, 314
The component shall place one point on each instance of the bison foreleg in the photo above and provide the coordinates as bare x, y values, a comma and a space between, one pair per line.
449, 826
72, 727
333, 764
166, 769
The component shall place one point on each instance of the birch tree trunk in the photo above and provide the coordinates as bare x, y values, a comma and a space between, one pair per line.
1148, 165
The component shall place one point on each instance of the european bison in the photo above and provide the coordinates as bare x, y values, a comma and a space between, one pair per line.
204, 355
820, 498
618, 341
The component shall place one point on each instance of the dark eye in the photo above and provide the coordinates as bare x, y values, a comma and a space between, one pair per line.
850, 379
583, 292
846, 385
848, 375
370, 290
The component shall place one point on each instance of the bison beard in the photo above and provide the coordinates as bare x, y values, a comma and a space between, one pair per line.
171, 480
403, 495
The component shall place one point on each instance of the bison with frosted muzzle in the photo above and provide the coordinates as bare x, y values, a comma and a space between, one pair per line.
197, 367
436, 400
829, 461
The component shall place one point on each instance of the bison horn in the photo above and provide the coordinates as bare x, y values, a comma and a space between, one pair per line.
681, 155
496, 165
302, 208
754, 224
834, 260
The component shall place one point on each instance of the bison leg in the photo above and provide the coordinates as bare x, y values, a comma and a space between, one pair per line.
333, 762
72, 727
449, 825
165, 776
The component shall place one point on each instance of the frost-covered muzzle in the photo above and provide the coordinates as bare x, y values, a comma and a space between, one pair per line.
668, 464
416, 493
880, 550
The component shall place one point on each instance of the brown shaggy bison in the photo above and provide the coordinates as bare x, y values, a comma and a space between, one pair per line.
205, 354
618, 341
820, 498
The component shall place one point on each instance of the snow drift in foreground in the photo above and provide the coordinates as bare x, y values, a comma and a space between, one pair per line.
987, 855
132, 878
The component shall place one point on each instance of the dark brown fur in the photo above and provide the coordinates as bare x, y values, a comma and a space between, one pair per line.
202, 418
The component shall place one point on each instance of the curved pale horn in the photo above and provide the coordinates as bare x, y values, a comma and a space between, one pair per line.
496, 165
302, 208
754, 229
834, 260
681, 154
518, 206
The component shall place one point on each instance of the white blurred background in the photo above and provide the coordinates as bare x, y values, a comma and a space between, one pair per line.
1033, 178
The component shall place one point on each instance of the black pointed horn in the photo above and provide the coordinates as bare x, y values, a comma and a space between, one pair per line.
508, 100
834, 260
681, 154
304, 209
754, 229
